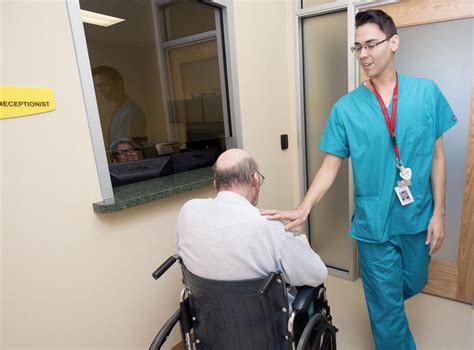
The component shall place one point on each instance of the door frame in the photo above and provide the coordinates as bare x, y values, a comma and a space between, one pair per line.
302, 14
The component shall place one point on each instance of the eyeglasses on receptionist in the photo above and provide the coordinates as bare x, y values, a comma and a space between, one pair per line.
125, 152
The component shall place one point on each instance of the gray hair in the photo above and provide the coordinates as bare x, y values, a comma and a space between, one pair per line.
114, 145
239, 174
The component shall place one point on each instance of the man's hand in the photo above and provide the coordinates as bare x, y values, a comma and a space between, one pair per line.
294, 217
435, 234
320, 185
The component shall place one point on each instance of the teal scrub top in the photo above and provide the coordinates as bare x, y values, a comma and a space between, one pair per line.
127, 122
356, 128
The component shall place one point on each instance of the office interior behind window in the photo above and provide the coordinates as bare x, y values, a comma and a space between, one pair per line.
166, 92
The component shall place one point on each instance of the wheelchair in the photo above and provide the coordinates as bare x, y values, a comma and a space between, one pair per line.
247, 315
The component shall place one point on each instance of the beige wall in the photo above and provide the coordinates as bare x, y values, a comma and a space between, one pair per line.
266, 66
75, 279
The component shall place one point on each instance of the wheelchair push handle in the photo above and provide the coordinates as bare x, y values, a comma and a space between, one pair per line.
165, 266
262, 292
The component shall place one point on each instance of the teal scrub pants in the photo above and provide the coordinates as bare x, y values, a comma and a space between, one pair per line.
391, 273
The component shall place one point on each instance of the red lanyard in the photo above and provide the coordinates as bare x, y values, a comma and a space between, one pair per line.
391, 122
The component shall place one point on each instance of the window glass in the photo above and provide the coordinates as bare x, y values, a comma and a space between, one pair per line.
196, 93
309, 3
156, 100
325, 81
184, 18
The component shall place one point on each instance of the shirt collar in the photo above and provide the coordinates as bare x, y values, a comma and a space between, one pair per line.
232, 196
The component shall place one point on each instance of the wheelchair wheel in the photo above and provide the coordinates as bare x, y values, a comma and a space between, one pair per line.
318, 334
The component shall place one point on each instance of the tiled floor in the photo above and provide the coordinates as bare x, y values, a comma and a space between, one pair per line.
436, 323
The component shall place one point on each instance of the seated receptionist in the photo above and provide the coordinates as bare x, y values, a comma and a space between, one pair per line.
124, 150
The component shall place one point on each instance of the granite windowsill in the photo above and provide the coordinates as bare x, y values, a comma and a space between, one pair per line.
135, 194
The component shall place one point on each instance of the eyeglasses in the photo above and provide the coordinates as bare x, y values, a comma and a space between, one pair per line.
357, 49
104, 84
260, 177
125, 152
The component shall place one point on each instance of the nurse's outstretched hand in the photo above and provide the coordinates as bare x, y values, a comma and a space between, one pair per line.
293, 218
435, 234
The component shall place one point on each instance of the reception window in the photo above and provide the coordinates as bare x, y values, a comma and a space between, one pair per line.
160, 82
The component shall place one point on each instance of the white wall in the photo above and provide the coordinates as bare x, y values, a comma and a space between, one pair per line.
75, 279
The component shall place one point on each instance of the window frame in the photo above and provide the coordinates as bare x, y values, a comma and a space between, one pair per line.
164, 64
90, 102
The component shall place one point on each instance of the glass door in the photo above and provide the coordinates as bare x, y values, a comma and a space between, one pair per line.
325, 72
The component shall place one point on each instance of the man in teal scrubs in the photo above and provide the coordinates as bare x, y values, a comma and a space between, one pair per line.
128, 120
391, 126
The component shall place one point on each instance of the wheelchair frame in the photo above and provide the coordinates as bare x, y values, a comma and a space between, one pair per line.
318, 325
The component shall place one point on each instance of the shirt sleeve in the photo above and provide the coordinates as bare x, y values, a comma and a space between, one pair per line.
444, 116
301, 265
334, 139
178, 228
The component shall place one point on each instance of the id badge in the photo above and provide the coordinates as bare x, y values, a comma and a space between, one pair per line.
404, 195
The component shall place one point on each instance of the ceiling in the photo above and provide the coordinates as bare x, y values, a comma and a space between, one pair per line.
136, 30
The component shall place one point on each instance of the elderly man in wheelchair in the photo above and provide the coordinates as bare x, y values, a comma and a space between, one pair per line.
248, 283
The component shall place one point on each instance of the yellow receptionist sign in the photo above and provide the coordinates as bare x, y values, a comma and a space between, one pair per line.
21, 101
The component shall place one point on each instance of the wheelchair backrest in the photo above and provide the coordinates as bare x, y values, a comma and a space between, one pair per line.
231, 315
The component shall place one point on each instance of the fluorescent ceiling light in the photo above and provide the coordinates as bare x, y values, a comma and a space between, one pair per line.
99, 19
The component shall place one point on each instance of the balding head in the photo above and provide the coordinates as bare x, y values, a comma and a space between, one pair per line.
235, 170
231, 158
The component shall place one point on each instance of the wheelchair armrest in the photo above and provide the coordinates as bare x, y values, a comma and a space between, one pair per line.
304, 297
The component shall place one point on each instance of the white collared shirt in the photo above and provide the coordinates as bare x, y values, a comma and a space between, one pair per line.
226, 238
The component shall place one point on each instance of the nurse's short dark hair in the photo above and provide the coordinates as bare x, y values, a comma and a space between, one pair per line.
379, 17
110, 72
239, 174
